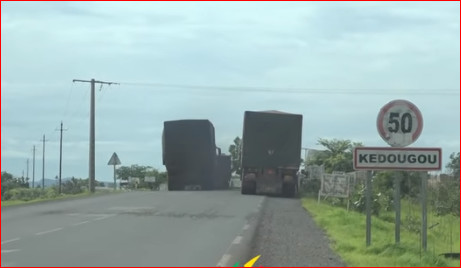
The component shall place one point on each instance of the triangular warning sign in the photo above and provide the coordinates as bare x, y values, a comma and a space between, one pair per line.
114, 160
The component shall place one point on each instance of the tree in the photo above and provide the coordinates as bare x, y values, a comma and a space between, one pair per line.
141, 172
336, 157
235, 151
453, 185
9, 182
453, 165
136, 171
410, 183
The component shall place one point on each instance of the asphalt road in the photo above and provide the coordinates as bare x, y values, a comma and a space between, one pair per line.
130, 229
204, 228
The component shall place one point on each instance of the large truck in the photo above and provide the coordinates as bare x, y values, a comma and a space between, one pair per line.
223, 171
271, 152
189, 154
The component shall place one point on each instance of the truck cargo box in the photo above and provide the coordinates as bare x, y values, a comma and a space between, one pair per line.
223, 172
271, 139
189, 153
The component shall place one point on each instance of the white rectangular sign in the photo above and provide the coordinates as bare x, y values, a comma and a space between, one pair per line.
150, 179
379, 158
335, 185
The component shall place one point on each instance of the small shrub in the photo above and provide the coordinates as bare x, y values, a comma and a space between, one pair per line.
358, 200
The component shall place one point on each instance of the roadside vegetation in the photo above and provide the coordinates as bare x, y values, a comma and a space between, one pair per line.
346, 230
346, 227
17, 191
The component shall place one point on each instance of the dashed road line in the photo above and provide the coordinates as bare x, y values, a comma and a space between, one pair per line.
80, 223
11, 240
10, 250
104, 217
49, 231
223, 262
237, 240
74, 214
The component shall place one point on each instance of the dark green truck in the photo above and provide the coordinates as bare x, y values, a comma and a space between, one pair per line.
189, 154
271, 152
223, 172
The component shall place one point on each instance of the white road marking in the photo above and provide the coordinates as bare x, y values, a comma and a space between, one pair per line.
246, 227
74, 214
223, 262
49, 231
104, 217
11, 240
80, 223
260, 204
10, 250
237, 240
131, 208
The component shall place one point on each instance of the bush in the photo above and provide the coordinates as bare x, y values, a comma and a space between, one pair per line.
9, 183
310, 186
24, 194
444, 197
50, 193
358, 200
74, 186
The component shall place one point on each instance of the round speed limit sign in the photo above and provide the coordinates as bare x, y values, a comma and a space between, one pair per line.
399, 123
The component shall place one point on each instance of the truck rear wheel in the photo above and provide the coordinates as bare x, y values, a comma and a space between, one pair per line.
248, 188
173, 187
289, 190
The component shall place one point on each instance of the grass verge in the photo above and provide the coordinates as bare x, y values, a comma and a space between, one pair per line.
9, 203
346, 230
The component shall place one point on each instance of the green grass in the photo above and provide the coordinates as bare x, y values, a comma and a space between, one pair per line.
9, 203
346, 230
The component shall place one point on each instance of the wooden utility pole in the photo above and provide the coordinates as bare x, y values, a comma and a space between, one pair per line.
27, 172
43, 162
33, 168
92, 129
60, 159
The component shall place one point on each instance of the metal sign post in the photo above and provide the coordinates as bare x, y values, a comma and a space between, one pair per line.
424, 211
400, 124
397, 182
114, 161
368, 207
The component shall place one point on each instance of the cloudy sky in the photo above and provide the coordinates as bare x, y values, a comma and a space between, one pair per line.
335, 63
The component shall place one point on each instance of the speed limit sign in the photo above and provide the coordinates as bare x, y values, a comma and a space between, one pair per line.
399, 123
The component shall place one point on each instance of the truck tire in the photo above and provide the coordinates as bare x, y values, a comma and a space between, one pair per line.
173, 187
289, 190
248, 188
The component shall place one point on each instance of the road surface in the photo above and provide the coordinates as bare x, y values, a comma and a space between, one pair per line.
203, 228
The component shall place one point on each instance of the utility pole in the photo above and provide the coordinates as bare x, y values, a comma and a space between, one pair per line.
60, 159
43, 163
33, 169
27, 172
92, 129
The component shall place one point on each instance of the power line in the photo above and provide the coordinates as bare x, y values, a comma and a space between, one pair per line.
293, 90
68, 101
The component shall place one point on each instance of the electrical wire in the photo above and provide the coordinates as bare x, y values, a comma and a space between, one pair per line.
292, 90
